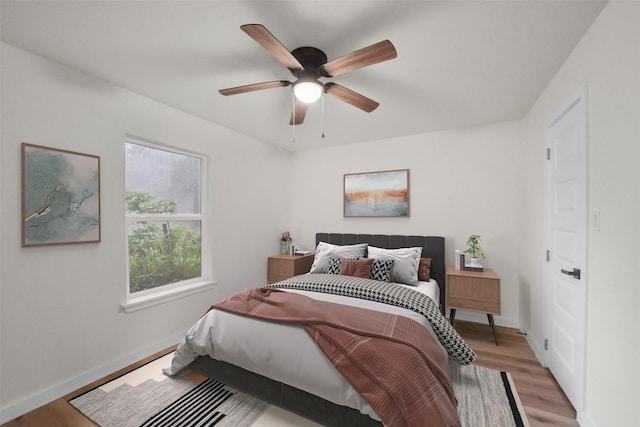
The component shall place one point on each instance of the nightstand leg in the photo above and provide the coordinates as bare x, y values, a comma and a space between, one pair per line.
452, 316
493, 327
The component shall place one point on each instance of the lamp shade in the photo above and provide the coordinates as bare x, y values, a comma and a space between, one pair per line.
307, 91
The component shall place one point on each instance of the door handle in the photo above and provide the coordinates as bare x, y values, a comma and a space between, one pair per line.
575, 273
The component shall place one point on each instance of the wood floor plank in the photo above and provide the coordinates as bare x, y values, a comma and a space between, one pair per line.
544, 402
540, 418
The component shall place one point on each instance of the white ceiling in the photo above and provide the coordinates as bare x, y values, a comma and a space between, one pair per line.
460, 63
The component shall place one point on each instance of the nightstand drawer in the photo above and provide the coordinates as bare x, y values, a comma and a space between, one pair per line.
473, 291
474, 288
281, 267
474, 294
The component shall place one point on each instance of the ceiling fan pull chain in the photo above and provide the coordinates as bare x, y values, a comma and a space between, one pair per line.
322, 101
293, 109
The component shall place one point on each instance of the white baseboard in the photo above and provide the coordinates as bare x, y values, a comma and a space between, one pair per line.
14, 410
538, 349
584, 420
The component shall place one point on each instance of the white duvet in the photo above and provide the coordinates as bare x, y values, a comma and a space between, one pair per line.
283, 353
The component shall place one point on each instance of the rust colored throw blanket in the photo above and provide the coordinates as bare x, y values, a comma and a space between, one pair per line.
392, 361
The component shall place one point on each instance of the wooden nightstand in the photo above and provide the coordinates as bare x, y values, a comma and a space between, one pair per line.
477, 291
281, 267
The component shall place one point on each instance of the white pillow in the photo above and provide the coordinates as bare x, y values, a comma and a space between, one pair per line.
405, 262
326, 250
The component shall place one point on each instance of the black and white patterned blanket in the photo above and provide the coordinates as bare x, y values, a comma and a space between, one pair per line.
388, 293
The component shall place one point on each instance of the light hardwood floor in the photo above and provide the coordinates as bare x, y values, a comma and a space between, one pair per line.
542, 398
544, 402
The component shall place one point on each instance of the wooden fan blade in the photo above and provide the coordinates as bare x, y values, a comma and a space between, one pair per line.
260, 34
297, 115
378, 52
253, 87
351, 97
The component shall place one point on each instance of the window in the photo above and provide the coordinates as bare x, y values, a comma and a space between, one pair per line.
165, 221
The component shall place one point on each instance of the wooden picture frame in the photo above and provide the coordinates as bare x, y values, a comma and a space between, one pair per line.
60, 197
377, 194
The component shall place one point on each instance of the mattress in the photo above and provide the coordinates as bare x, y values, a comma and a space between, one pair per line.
430, 289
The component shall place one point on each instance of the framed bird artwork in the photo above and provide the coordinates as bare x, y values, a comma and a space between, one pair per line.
60, 196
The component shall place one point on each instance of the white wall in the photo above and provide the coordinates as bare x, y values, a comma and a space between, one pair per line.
61, 322
608, 60
462, 182
486, 180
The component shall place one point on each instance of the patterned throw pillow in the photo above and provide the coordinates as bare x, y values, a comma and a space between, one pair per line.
406, 261
424, 270
334, 265
359, 268
381, 270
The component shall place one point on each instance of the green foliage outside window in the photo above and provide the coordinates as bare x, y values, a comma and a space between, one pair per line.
163, 251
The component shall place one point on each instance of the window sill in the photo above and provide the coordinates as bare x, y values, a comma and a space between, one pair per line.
140, 303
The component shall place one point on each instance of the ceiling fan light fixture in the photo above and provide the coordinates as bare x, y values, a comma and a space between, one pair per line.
307, 91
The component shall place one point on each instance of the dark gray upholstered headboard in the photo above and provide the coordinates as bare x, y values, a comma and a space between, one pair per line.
432, 247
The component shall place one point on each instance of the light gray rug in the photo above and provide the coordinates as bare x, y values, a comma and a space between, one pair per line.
174, 402
486, 398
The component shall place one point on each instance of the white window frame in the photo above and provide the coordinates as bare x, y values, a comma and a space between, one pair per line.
165, 293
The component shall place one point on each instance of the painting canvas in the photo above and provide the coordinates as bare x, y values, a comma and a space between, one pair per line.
376, 194
60, 196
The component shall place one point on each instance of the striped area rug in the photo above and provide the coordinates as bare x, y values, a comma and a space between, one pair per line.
147, 398
199, 407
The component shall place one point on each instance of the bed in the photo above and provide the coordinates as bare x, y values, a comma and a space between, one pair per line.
242, 356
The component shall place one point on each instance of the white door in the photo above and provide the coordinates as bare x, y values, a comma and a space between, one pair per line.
566, 233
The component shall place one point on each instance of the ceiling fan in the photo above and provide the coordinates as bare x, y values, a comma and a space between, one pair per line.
308, 64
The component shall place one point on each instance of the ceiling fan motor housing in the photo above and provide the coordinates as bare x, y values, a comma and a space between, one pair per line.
311, 59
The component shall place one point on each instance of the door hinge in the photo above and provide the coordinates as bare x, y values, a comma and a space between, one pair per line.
548, 256
546, 344
548, 153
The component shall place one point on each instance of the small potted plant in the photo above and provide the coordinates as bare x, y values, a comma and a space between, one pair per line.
474, 249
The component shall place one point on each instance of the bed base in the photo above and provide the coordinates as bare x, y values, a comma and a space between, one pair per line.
290, 398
